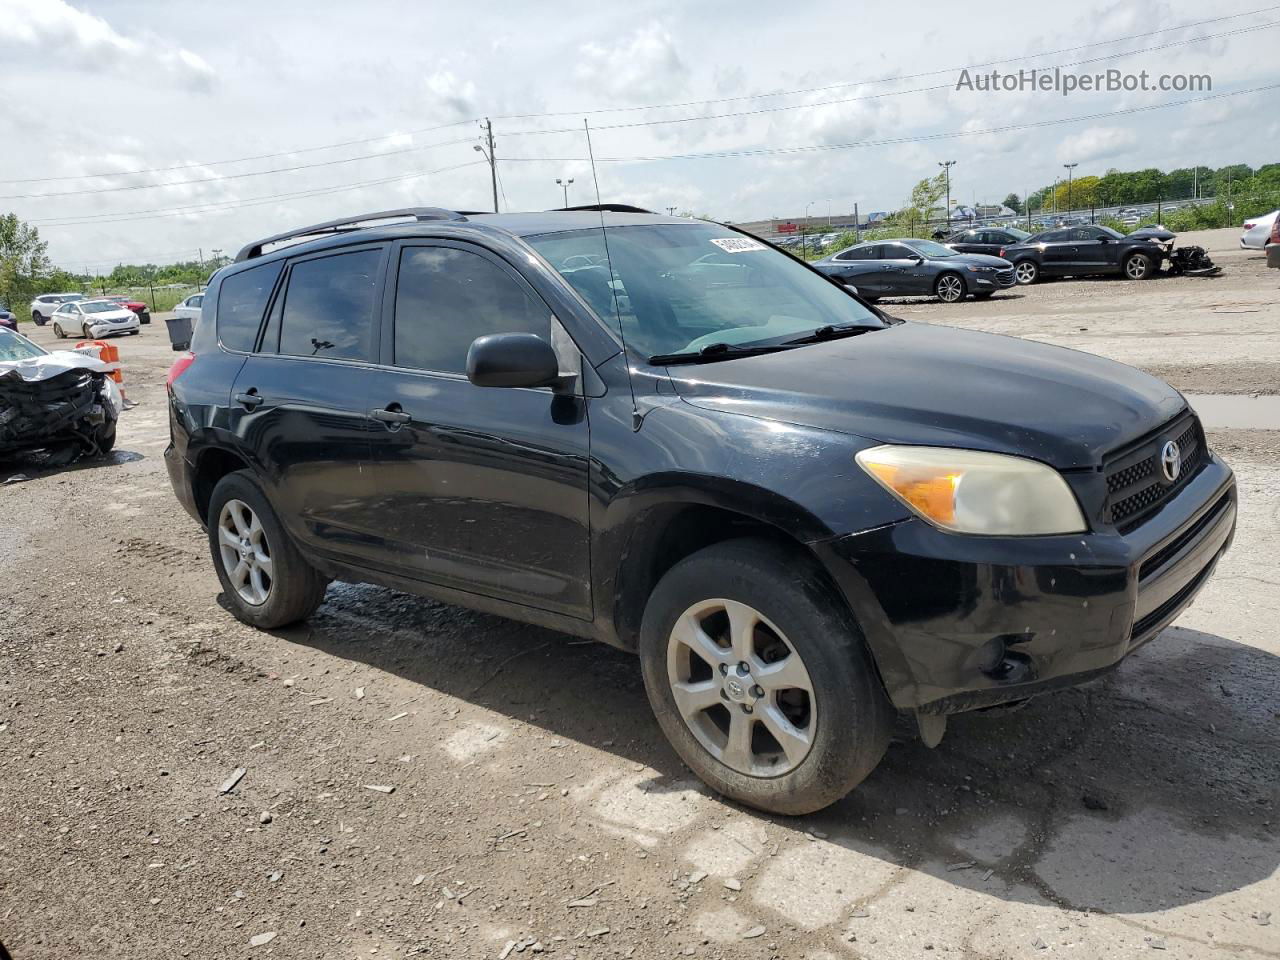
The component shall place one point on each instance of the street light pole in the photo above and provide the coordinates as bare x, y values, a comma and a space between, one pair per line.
1069, 167
805, 236
564, 185
946, 166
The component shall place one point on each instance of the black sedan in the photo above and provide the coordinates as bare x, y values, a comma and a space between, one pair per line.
988, 240
1086, 251
917, 268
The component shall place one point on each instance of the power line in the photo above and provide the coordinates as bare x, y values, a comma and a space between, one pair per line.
689, 103
871, 96
233, 176
770, 151
895, 79
260, 156
223, 206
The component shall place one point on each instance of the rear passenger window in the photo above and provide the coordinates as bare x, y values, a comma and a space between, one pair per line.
241, 302
328, 307
446, 297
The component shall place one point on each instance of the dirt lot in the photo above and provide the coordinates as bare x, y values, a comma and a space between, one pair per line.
425, 780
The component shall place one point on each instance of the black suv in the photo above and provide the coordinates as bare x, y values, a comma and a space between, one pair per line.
1085, 251
669, 436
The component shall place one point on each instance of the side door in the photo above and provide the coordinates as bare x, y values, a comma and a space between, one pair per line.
968, 242
1059, 254
859, 266
479, 489
299, 405
904, 270
1094, 254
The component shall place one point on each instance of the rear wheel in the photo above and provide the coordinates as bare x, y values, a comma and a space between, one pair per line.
1026, 272
265, 579
1138, 266
38, 320
949, 288
760, 679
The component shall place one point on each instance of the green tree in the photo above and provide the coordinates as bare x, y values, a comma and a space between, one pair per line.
23, 261
1013, 203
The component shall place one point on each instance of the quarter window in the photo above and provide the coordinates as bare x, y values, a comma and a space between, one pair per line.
446, 297
241, 302
328, 307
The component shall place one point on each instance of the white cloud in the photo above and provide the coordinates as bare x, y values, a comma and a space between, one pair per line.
1096, 143
55, 28
456, 95
639, 69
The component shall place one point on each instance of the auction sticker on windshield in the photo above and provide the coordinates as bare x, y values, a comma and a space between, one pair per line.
737, 244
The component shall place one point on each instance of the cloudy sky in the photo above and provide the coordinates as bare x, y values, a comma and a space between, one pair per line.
139, 130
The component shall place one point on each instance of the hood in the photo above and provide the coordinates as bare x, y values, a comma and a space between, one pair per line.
124, 313
1151, 233
932, 385
47, 365
974, 260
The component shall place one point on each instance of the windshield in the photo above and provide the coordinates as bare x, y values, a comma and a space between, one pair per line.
100, 306
13, 346
1016, 233
682, 287
928, 248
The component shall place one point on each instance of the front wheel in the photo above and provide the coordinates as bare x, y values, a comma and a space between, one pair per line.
949, 288
85, 330
57, 331
760, 679
1138, 266
265, 579
1026, 272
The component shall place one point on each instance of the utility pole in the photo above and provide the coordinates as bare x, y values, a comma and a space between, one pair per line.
564, 185
946, 166
492, 158
671, 211
857, 224
1069, 167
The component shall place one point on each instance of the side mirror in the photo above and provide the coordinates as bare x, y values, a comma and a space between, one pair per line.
1104, 239
916, 258
512, 360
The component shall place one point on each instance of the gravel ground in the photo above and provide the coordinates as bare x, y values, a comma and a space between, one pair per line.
423, 780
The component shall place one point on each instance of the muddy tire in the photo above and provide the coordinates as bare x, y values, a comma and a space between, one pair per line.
760, 678
264, 578
1139, 266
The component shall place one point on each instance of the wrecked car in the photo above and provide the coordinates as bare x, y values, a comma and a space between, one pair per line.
61, 403
1093, 250
805, 516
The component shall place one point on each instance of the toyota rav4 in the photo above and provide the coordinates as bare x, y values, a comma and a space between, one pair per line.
804, 515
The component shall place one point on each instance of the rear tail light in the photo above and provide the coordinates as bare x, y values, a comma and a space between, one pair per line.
1249, 226
1001, 253
179, 368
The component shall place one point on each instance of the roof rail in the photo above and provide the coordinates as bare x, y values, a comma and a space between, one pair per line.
603, 207
249, 251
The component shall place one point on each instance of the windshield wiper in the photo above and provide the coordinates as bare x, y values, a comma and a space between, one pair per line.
833, 333
717, 351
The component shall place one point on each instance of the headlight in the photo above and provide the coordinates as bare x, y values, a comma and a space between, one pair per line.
982, 269
969, 491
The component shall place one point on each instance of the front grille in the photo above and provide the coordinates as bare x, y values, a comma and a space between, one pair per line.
1005, 277
1136, 485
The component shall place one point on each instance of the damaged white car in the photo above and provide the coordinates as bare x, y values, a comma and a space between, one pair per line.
62, 403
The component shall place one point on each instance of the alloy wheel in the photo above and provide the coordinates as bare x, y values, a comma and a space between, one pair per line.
1135, 268
741, 688
1025, 272
246, 555
57, 331
950, 289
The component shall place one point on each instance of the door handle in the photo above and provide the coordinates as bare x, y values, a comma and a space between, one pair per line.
249, 400
391, 414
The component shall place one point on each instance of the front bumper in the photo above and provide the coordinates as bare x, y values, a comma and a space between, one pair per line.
957, 623
97, 330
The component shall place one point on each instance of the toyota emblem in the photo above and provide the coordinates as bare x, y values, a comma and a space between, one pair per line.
1171, 461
